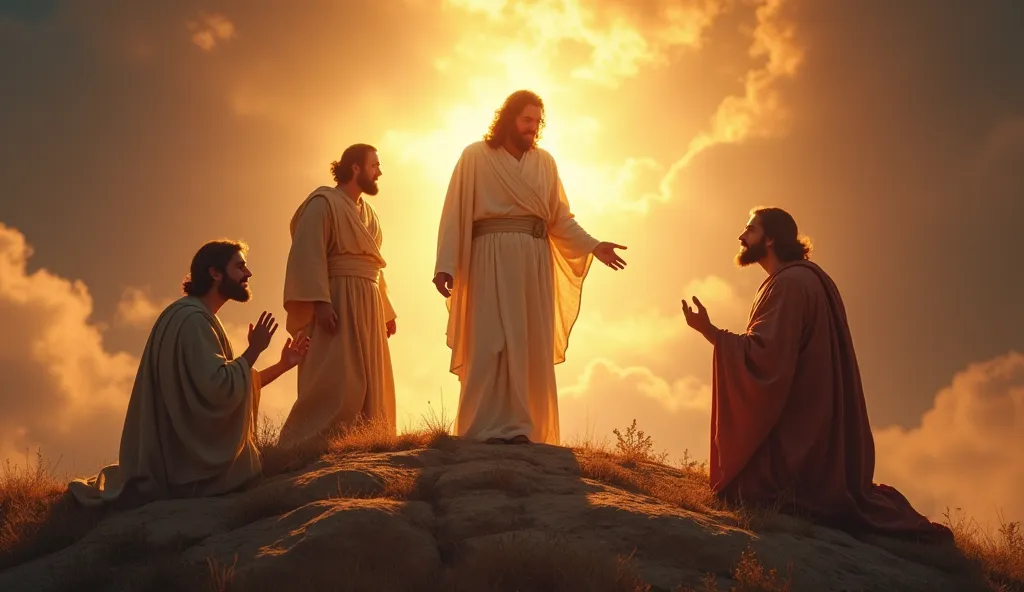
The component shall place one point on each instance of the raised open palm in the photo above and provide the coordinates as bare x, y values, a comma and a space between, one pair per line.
261, 334
293, 351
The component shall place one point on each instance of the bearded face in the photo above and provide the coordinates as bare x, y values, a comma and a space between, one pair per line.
527, 125
234, 283
366, 178
366, 184
234, 289
524, 139
753, 245
751, 253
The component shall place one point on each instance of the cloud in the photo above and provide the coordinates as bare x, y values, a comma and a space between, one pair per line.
758, 112
137, 308
713, 291
674, 412
563, 49
557, 48
63, 391
966, 451
210, 29
682, 394
616, 41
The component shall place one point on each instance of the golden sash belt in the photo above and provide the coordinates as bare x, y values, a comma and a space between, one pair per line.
342, 265
531, 225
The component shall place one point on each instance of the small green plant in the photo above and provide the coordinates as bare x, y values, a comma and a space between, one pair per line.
636, 446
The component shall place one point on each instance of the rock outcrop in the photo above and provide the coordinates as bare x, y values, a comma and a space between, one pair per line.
456, 516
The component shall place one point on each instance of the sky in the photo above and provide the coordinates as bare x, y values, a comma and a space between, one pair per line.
134, 133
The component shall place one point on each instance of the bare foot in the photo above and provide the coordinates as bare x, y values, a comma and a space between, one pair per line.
520, 439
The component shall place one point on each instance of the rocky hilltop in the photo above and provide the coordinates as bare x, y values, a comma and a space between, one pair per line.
449, 515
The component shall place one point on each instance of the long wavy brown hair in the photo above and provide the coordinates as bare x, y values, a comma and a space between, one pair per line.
505, 118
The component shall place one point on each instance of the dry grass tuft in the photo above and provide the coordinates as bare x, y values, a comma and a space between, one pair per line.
1000, 559
634, 466
36, 515
749, 576
375, 435
365, 435
400, 485
222, 577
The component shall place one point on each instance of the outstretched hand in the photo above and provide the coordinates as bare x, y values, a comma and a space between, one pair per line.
605, 252
261, 334
293, 351
444, 282
698, 320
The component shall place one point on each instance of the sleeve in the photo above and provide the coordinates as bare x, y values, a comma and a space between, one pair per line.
217, 385
449, 234
385, 296
753, 372
306, 278
571, 240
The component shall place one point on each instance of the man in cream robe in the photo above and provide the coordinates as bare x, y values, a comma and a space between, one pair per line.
189, 430
511, 260
336, 295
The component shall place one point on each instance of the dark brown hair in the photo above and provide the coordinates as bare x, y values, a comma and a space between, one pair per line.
505, 118
216, 254
354, 155
780, 226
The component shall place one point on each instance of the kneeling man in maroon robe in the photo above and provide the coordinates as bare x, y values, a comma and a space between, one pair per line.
789, 425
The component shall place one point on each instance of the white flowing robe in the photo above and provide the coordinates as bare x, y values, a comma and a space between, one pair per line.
515, 296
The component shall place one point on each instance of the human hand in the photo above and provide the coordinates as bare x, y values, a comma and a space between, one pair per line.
698, 320
261, 334
392, 327
605, 252
326, 317
293, 351
444, 283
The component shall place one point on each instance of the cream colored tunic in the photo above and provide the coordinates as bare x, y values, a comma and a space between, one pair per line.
515, 297
190, 425
335, 257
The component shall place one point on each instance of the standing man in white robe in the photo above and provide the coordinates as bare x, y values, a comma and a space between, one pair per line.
511, 260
